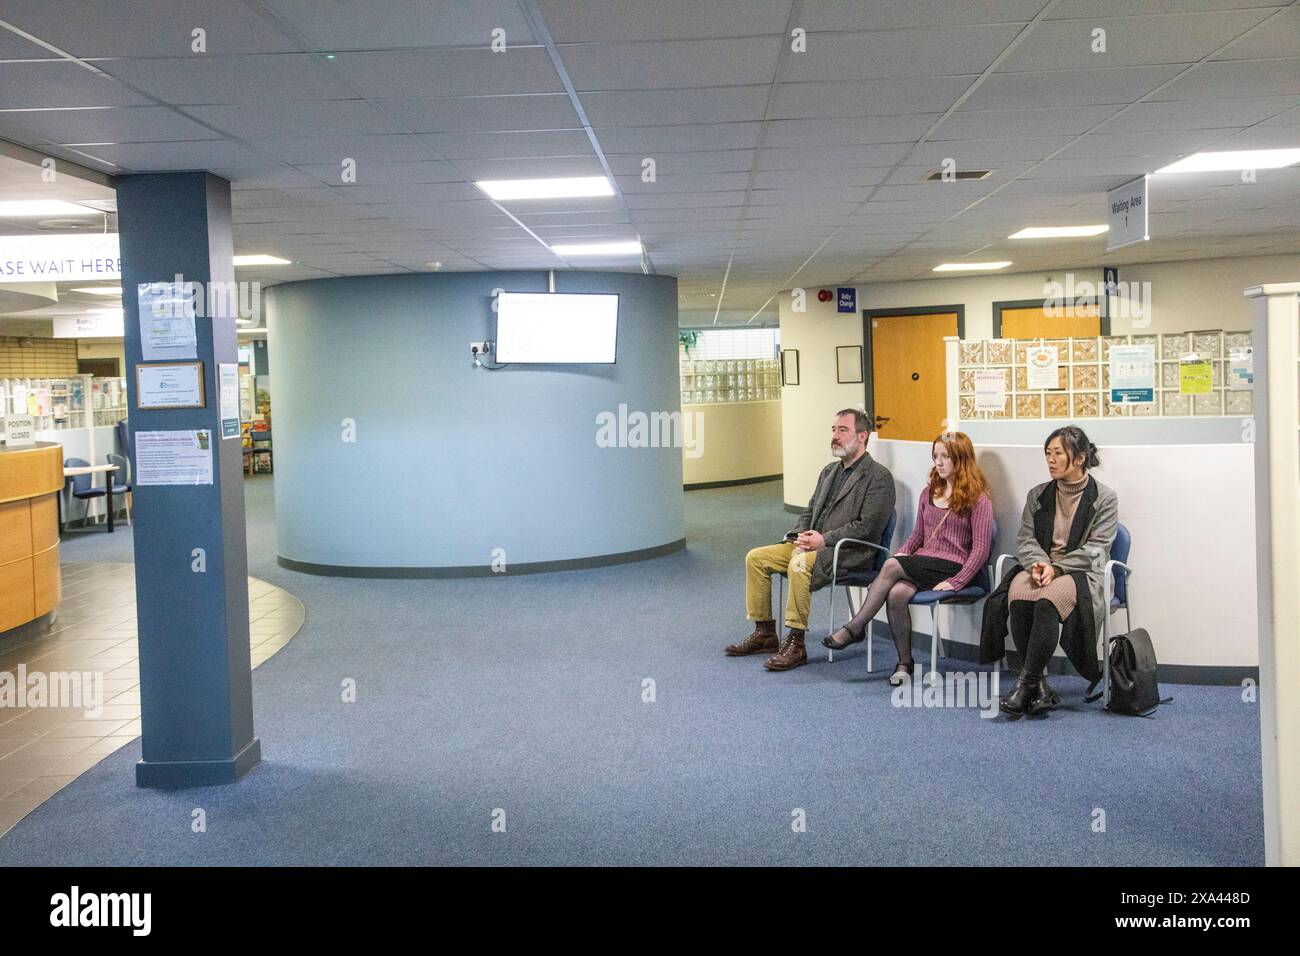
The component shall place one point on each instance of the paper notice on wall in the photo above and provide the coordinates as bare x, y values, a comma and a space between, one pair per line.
166, 321
1043, 367
228, 406
990, 390
1195, 375
1132, 374
173, 458
1242, 367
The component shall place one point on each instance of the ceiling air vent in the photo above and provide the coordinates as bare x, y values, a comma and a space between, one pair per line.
957, 175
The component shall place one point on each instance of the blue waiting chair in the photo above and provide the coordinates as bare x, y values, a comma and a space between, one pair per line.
977, 590
858, 579
845, 579
124, 473
81, 484
1115, 587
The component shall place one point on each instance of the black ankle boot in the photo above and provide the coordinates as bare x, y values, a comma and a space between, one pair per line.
1048, 699
1021, 700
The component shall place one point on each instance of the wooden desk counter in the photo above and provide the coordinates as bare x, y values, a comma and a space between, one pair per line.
31, 478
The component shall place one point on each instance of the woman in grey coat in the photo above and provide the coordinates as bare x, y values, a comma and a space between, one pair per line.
1067, 529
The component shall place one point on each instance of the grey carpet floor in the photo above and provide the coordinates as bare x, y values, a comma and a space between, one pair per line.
521, 699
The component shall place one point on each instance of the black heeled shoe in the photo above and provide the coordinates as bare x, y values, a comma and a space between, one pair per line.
1022, 700
1048, 699
829, 639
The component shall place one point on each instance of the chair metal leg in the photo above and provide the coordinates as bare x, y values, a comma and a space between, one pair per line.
830, 623
869, 641
934, 639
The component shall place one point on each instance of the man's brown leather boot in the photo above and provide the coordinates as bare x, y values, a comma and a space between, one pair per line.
762, 641
791, 654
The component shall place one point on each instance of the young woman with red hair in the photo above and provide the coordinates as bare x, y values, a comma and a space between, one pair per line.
947, 547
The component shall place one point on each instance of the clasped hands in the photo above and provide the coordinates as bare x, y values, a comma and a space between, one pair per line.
1041, 573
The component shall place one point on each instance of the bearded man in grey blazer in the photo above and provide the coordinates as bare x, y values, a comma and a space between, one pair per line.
853, 499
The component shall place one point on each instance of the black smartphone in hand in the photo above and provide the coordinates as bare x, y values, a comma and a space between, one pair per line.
792, 536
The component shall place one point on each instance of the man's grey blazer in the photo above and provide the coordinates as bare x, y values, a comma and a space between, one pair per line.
861, 509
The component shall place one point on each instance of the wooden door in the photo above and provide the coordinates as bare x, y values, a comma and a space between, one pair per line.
1079, 322
908, 374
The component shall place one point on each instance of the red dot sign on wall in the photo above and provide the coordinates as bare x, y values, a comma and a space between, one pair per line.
825, 295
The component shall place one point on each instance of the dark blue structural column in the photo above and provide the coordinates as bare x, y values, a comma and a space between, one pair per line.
191, 606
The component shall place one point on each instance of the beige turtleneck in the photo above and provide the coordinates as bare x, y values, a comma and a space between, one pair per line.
1068, 494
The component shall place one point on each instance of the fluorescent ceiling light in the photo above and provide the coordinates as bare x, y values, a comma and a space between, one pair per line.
565, 188
631, 247
1233, 160
1057, 232
969, 266
100, 290
260, 261
42, 207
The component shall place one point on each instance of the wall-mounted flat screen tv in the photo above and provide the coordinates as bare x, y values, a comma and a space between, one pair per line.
556, 328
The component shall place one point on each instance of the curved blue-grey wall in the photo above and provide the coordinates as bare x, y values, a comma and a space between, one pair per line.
451, 462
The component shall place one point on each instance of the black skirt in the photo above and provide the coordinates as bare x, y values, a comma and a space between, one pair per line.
926, 572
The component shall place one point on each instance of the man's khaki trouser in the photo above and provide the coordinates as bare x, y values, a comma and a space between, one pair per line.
797, 565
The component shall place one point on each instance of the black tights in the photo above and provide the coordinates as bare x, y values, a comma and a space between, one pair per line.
1034, 629
891, 588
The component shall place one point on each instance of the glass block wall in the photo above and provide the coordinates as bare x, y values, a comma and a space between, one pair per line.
731, 365
1083, 378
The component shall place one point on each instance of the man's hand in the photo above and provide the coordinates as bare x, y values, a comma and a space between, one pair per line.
810, 541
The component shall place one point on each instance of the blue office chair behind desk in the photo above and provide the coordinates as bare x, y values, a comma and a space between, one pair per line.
81, 484
123, 474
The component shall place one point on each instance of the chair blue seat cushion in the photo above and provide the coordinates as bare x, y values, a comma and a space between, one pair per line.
121, 489
968, 595
90, 493
1116, 604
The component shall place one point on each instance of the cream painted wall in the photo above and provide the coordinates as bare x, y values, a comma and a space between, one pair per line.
1201, 294
735, 440
103, 348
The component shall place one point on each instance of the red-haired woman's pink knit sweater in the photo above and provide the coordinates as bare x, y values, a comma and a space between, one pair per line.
963, 539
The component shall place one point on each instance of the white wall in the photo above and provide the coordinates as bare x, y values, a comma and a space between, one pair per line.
1190, 509
1201, 294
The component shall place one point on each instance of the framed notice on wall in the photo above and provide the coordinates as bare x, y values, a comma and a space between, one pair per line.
848, 364
169, 385
789, 366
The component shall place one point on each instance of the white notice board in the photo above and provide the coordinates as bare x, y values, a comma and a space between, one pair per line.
173, 458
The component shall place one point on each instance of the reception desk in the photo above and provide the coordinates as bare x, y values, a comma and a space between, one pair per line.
31, 478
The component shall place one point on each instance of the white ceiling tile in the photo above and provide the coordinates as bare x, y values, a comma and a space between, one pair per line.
954, 51
148, 28
412, 74
572, 21
131, 124
332, 150
483, 113
386, 174
672, 63
895, 14
1236, 78
832, 157
676, 106
1023, 123
1118, 8
1278, 37
1197, 114
1130, 40
395, 24
231, 79
653, 139
868, 97
704, 161
60, 84
318, 118
457, 146
1064, 88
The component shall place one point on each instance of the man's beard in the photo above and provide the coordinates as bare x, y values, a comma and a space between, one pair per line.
845, 451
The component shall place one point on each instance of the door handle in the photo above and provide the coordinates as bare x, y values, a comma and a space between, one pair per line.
880, 421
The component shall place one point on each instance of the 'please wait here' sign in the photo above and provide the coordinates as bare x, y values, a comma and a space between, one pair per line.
58, 258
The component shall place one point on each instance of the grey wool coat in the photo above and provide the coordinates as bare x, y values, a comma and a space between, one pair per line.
1096, 520
861, 510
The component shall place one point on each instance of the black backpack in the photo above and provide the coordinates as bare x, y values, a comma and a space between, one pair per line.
1133, 687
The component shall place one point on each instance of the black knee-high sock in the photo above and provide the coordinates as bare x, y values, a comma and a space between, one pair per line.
1043, 637
1020, 621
